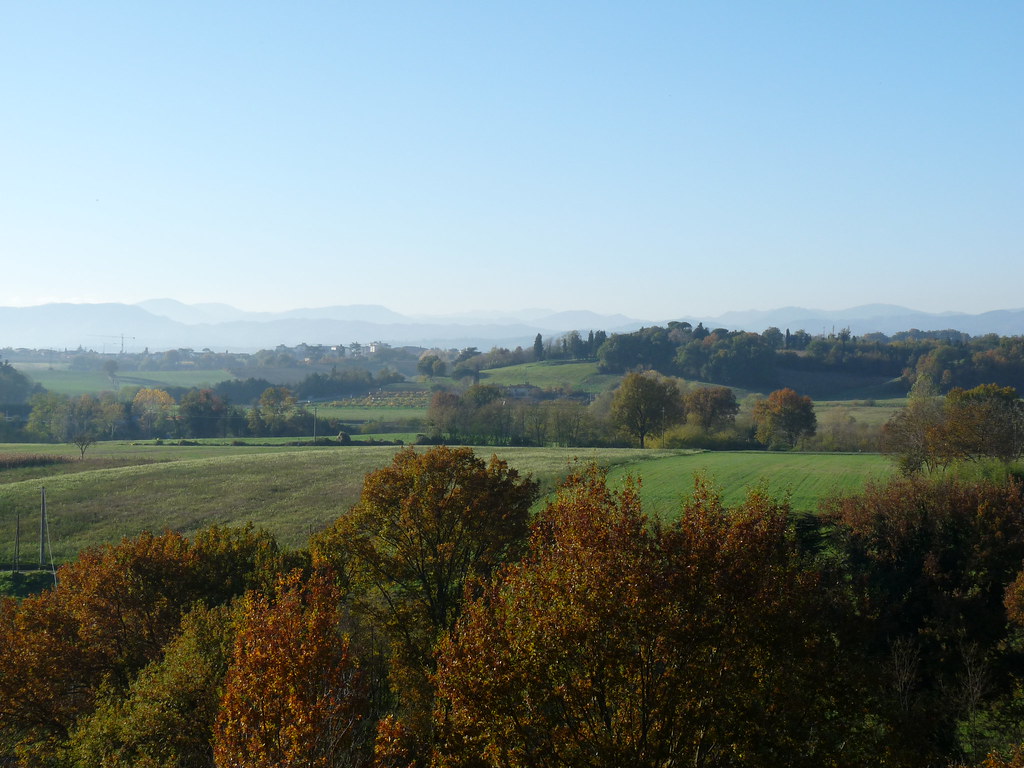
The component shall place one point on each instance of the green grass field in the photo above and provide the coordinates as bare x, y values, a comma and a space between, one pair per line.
206, 447
803, 478
289, 491
62, 380
872, 412
552, 375
122, 489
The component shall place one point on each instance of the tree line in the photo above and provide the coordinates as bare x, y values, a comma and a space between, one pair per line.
373, 355
153, 413
933, 432
645, 405
265, 410
438, 623
762, 360
733, 357
948, 360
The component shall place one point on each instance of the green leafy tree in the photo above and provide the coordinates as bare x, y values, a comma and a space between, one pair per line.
575, 346
15, 387
773, 337
645, 404
647, 348
933, 562
75, 420
426, 365
45, 420
784, 417
113, 415
201, 413
277, 405
912, 435
711, 408
465, 371
231, 560
736, 358
110, 367
153, 409
984, 422
278, 401
167, 716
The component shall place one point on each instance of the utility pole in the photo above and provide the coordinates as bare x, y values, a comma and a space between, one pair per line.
44, 540
17, 541
42, 531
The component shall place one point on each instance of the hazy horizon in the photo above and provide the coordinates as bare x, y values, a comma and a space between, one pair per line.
168, 324
521, 311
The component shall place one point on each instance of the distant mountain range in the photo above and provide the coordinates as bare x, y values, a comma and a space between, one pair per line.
875, 318
167, 324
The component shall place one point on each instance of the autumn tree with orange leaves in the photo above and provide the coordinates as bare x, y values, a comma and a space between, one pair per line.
616, 642
114, 611
293, 695
423, 527
783, 418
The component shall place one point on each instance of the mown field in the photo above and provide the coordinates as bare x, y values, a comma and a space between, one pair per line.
122, 489
363, 413
550, 375
802, 478
872, 412
61, 379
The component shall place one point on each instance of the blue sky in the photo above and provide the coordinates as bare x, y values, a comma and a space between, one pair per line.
655, 159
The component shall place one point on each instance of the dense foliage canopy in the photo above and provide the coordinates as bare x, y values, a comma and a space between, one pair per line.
436, 623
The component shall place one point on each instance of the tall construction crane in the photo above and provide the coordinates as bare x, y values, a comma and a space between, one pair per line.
122, 337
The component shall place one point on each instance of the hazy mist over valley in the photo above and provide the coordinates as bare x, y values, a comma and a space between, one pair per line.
167, 324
